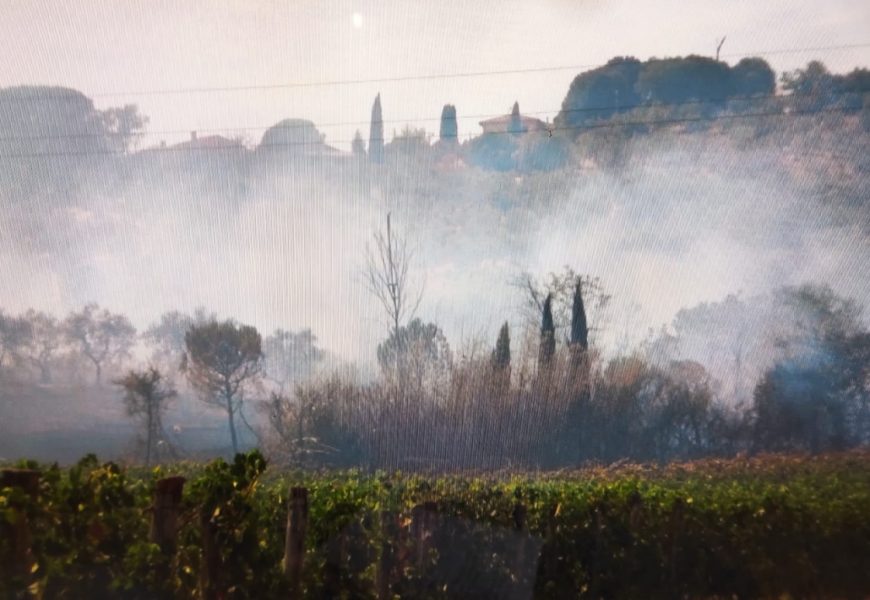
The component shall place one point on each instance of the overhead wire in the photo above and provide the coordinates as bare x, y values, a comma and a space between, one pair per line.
422, 77
409, 120
548, 132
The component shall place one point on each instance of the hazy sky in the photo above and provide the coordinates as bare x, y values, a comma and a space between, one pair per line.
105, 47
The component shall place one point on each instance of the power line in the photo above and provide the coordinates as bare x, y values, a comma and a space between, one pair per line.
429, 76
408, 120
548, 133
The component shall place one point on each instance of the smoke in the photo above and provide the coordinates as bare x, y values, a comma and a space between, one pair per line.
680, 219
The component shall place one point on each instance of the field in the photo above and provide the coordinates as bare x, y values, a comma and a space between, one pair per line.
772, 526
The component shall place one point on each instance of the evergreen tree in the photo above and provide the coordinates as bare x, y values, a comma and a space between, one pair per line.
222, 361
548, 334
570, 446
376, 133
516, 124
579, 329
501, 356
357, 146
449, 128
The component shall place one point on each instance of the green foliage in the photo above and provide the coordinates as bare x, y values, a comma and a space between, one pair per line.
600, 93
752, 77
766, 527
690, 86
693, 78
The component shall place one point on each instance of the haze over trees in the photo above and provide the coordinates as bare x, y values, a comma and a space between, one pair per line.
42, 343
291, 357
145, 397
650, 180
100, 336
794, 376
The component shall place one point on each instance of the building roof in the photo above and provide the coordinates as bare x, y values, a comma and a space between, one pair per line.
501, 123
296, 136
208, 141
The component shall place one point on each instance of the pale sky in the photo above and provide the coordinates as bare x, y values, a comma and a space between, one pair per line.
110, 49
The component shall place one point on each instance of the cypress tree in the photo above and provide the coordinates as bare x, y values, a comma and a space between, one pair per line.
376, 133
501, 356
579, 344
579, 328
548, 334
449, 128
357, 146
516, 124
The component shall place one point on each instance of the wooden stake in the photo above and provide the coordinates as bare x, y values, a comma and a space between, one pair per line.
520, 515
388, 558
423, 523
294, 541
210, 565
19, 532
164, 518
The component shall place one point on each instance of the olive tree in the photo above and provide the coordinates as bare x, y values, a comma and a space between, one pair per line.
100, 336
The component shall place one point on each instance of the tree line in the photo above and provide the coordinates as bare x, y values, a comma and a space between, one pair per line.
545, 395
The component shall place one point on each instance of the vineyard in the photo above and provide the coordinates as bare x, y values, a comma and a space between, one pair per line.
773, 526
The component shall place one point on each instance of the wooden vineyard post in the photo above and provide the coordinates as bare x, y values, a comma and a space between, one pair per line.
386, 564
294, 541
423, 519
520, 515
335, 560
164, 518
211, 560
19, 532
674, 538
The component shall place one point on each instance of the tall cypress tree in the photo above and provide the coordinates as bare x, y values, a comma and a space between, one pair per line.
579, 328
376, 133
579, 344
548, 334
449, 128
501, 356
516, 124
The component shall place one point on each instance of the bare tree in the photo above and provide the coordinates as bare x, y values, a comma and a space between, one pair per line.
145, 396
388, 277
101, 336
